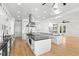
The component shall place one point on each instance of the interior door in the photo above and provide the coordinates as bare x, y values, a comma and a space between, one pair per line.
18, 28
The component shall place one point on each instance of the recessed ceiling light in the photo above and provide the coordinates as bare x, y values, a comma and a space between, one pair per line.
45, 11
56, 5
38, 19
58, 17
18, 11
38, 16
51, 13
36, 9
18, 16
18, 3
57, 11
43, 17
1, 13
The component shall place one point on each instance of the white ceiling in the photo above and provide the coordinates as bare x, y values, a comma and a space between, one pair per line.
38, 11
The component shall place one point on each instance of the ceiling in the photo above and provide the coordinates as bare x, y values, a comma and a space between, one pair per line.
38, 11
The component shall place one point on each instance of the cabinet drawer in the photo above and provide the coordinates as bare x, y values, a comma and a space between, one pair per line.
57, 39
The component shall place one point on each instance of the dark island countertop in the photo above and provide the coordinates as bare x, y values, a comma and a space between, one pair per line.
38, 36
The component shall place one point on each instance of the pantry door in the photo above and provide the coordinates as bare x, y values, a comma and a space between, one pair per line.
18, 28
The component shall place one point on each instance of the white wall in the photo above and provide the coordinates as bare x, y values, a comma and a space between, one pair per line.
3, 17
7, 21
11, 26
18, 28
43, 25
72, 27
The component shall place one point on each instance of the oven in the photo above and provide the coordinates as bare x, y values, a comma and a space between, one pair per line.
30, 41
30, 38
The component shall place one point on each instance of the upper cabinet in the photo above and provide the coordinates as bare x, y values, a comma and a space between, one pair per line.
57, 28
24, 28
6, 21
3, 16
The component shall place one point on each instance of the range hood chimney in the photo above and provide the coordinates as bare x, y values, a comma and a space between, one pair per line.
31, 23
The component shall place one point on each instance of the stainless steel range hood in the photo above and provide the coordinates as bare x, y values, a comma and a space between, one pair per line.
31, 23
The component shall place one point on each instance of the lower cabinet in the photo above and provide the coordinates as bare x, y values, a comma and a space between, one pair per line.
4, 51
42, 46
0, 52
24, 37
57, 39
8, 48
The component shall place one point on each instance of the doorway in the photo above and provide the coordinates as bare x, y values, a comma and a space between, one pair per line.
18, 28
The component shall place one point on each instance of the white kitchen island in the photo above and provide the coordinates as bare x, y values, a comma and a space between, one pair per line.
42, 46
39, 44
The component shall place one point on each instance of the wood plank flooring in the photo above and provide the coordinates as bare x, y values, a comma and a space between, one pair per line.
69, 47
20, 48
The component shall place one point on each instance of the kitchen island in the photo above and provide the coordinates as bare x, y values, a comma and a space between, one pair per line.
39, 43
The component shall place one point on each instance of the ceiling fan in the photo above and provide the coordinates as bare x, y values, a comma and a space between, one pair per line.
64, 21
46, 3
43, 3
64, 4
54, 4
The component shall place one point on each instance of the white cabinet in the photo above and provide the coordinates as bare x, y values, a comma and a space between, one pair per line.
57, 28
24, 37
57, 39
1, 36
3, 16
42, 46
24, 28
1, 40
11, 28
0, 52
8, 48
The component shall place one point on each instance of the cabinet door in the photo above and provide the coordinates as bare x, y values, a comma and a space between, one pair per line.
1, 36
57, 39
4, 51
24, 28
55, 29
0, 52
8, 47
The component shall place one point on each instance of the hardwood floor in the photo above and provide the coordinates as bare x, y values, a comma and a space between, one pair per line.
20, 48
69, 47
